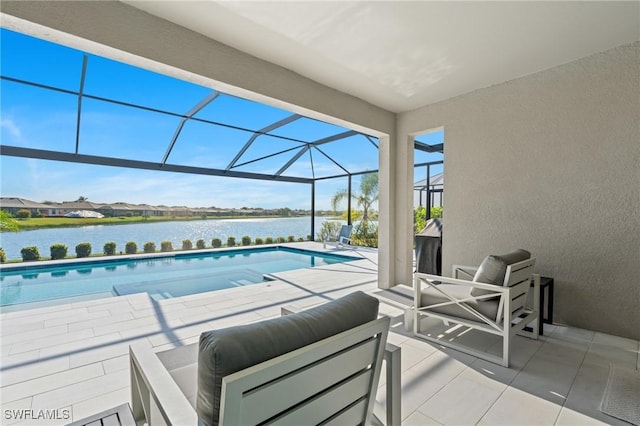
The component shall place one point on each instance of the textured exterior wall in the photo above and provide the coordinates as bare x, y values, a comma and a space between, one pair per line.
551, 163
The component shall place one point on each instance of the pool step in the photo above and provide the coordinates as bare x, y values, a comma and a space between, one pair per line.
191, 284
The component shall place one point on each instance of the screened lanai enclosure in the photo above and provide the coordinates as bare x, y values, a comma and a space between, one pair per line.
65, 105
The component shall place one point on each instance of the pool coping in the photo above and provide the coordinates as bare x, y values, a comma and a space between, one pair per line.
39, 266
34, 264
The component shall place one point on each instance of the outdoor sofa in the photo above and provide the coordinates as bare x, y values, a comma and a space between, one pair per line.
318, 365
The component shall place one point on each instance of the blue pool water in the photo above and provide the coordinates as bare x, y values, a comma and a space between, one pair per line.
162, 277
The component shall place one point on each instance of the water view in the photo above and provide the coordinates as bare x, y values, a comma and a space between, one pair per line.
161, 277
141, 233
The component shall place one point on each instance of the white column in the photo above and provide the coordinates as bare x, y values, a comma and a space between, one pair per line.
386, 215
403, 205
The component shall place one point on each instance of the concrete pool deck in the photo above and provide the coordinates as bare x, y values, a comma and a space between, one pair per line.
74, 357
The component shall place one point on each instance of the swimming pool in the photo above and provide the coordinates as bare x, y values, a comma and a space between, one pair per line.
162, 276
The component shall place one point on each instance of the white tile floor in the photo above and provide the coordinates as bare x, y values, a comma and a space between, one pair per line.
74, 357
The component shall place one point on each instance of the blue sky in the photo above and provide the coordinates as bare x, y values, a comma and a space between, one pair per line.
43, 119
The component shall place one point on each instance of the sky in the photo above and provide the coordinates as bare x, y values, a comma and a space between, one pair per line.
44, 119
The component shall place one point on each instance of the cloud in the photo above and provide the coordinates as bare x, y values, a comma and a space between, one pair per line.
11, 127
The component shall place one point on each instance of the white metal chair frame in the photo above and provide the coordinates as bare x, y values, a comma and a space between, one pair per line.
393, 370
512, 316
344, 237
304, 386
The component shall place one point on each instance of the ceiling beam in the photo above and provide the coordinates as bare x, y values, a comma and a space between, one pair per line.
15, 151
260, 132
293, 160
193, 111
421, 146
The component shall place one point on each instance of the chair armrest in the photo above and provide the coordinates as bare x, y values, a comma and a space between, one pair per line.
156, 397
437, 279
464, 272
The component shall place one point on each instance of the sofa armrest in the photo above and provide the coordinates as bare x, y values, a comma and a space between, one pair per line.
155, 396
392, 358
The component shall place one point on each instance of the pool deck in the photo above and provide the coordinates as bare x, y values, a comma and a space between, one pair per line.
74, 357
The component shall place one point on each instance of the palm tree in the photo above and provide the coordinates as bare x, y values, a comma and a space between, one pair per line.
365, 199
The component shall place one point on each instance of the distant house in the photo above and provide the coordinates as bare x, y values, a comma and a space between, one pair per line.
145, 210
164, 211
13, 204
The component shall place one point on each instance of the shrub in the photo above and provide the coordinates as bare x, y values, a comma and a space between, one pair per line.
200, 244
187, 245
58, 251
216, 243
259, 241
131, 247
365, 234
3, 256
7, 222
149, 247
37, 214
281, 240
291, 238
109, 248
246, 240
23, 214
436, 212
83, 250
166, 246
30, 253
419, 219
231, 241
268, 240
300, 240
329, 231
420, 216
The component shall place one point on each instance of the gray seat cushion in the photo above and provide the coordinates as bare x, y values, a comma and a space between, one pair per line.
431, 296
494, 267
226, 351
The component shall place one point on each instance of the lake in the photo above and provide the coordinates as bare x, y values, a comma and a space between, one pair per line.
156, 232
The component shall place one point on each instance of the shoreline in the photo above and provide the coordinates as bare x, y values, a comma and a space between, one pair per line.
34, 224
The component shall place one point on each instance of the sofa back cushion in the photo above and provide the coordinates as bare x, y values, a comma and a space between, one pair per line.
226, 351
494, 267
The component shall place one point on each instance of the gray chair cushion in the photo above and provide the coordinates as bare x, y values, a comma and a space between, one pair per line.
431, 296
494, 267
226, 351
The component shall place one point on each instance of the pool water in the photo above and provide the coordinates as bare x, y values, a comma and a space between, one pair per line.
162, 277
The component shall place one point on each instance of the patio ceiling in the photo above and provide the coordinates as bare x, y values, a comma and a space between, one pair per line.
402, 55
88, 109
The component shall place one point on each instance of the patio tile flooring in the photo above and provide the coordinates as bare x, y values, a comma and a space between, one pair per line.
74, 356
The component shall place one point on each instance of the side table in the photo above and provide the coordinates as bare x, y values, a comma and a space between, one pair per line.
546, 303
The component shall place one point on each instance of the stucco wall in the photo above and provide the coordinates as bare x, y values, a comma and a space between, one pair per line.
551, 163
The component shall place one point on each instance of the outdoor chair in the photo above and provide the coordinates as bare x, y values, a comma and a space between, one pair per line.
315, 366
494, 301
344, 237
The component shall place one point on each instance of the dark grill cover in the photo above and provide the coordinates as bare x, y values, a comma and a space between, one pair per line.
429, 248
